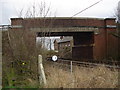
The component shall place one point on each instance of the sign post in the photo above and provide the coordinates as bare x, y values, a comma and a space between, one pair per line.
54, 58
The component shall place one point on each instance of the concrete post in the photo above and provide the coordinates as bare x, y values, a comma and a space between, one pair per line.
42, 77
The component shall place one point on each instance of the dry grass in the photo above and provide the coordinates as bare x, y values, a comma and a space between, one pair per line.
82, 77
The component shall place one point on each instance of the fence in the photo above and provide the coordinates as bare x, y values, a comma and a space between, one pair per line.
74, 74
67, 73
114, 64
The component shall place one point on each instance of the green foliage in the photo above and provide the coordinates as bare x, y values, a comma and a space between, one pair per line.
19, 59
9, 76
14, 79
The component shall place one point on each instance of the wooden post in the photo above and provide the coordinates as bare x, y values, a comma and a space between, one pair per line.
42, 77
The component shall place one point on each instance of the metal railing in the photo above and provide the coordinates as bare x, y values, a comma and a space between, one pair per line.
5, 27
88, 64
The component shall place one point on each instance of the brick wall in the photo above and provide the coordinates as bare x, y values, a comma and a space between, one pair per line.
105, 43
58, 22
16, 21
112, 41
99, 49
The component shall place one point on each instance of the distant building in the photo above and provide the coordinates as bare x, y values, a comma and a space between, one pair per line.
63, 46
62, 43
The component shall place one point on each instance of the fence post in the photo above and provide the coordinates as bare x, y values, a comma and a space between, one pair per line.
71, 70
42, 77
71, 67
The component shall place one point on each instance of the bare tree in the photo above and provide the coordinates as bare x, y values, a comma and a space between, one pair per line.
117, 15
40, 10
118, 12
22, 51
118, 19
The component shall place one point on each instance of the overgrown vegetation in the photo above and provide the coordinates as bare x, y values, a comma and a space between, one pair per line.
59, 76
20, 54
19, 59
20, 68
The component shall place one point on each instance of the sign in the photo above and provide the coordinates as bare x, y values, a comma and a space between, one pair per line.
54, 58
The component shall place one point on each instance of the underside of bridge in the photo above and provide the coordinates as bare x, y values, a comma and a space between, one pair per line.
83, 43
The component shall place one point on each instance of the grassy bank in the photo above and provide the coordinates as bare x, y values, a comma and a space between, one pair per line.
59, 75
19, 64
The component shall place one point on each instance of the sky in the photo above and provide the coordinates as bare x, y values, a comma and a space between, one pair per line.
59, 8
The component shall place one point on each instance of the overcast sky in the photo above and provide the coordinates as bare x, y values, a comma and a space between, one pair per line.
60, 8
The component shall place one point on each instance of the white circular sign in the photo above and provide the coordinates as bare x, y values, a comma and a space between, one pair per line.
54, 58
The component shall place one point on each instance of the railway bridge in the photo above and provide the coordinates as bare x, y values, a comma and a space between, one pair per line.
92, 37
